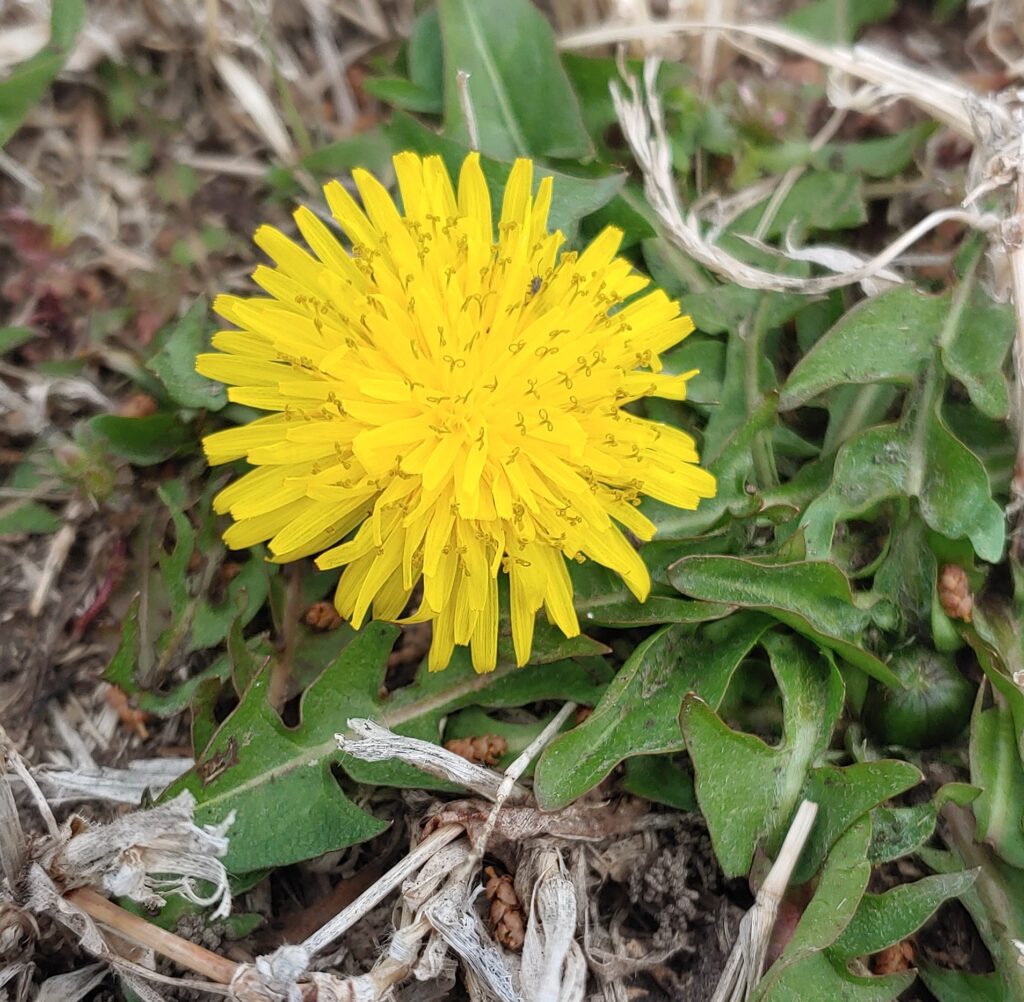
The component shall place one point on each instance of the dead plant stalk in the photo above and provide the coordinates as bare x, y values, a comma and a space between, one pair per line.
993, 124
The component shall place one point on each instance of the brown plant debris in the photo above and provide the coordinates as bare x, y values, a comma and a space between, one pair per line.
506, 911
893, 959
484, 749
322, 616
955, 593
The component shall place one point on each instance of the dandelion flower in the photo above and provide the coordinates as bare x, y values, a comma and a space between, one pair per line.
447, 405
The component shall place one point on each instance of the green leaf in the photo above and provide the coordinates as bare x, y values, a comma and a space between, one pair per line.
521, 96
919, 458
591, 78
887, 338
639, 712
707, 356
908, 573
602, 599
661, 780
748, 790
735, 784
845, 793
843, 882
401, 93
820, 200
626, 211
899, 831
837, 20
724, 309
959, 986
877, 157
272, 775
813, 598
371, 150
996, 898
885, 919
977, 353
816, 978
175, 363
423, 91
244, 597
812, 966
28, 518
549, 644
733, 471
14, 337
953, 490
143, 441
27, 82
996, 768
571, 199
178, 609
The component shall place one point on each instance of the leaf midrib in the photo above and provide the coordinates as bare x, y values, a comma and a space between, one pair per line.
500, 93
396, 718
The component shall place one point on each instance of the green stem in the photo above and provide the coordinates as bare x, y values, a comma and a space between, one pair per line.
870, 399
930, 395
753, 341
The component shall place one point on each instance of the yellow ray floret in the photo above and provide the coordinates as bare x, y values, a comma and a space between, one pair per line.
446, 405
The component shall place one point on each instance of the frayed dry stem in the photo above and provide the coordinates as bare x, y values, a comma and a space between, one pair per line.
943, 99
372, 896
22, 772
746, 962
640, 115
994, 124
516, 769
56, 556
372, 743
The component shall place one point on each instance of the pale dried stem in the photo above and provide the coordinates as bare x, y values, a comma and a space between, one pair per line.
22, 772
643, 126
746, 962
944, 99
345, 107
993, 124
785, 185
56, 557
516, 769
372, 896
999, 19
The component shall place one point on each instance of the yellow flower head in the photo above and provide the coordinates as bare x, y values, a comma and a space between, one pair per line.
454, 395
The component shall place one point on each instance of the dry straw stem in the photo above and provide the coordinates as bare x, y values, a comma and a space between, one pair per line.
142, 933
517, 768
640, 115
372, 896
746, 962
994, 124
